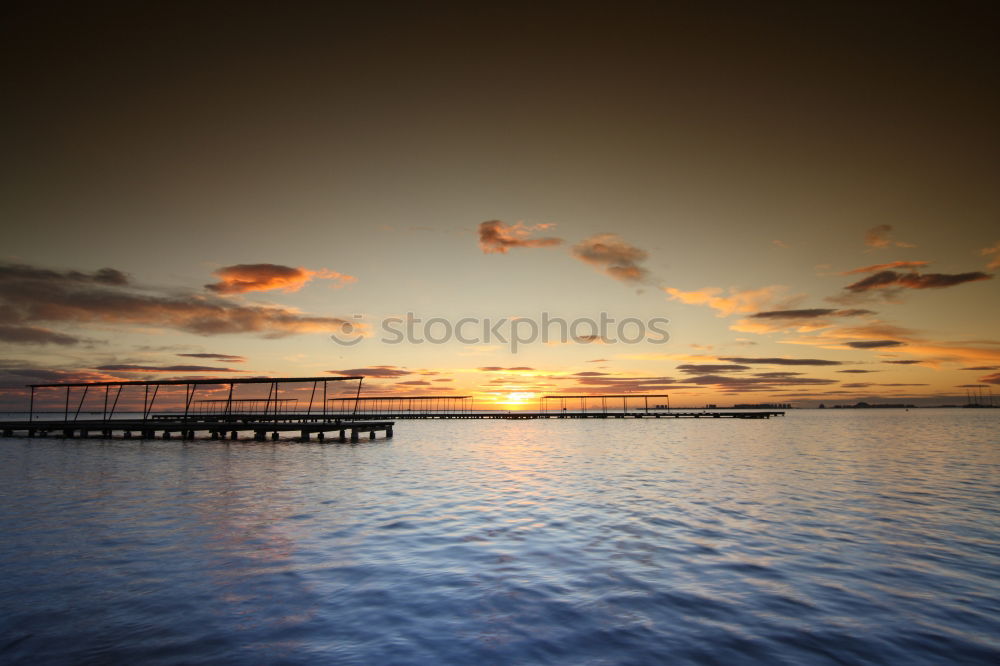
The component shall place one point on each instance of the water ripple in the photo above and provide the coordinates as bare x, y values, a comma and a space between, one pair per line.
834, 538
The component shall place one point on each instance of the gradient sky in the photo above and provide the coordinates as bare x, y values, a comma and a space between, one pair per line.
807, 191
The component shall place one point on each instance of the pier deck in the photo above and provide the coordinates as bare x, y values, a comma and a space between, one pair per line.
166, 428
301, 417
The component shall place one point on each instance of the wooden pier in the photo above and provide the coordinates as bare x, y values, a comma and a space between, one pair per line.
168, 427
185, 424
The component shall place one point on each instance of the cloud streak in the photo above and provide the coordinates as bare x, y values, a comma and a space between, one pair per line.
889, 266
380, 371
874, 344
243, 278
495, 237
995, 251
32, 335
127, 367
914, 280
218, 357
777, 361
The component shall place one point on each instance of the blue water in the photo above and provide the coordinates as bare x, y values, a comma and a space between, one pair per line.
821, 538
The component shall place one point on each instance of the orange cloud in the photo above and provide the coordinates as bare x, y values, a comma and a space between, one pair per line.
879, 237
242, 278
888, 266
495, 237
994, 250
748, 300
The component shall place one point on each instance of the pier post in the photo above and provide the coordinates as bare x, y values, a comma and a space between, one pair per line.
371, 434
343, 436
388, 432
305, 435
274, 436
166, 434
354, 434
233, 435
259, 435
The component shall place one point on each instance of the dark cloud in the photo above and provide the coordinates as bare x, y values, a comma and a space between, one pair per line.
414, 382
613, 256
778, 361
699, 368
811, 313
776, 375
497, 368
125, 367
874, 344
219, 357
991, 379
380, 371
35, 336
909, 361
793, 314
29, 295
857, 372
495, 237
737, 384
241, 278
15, 374
17, 272
982, 367
892, 279
590, 374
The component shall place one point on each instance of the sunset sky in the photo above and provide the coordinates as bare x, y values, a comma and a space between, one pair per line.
808, 192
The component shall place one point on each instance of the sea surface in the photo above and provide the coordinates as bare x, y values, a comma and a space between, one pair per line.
825, 537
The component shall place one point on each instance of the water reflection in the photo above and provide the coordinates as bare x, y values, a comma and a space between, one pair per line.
820, 537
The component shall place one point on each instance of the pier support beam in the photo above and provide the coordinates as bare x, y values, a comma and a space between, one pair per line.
354, 435
274, 436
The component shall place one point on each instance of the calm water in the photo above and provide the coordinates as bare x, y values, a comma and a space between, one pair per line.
822, 538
